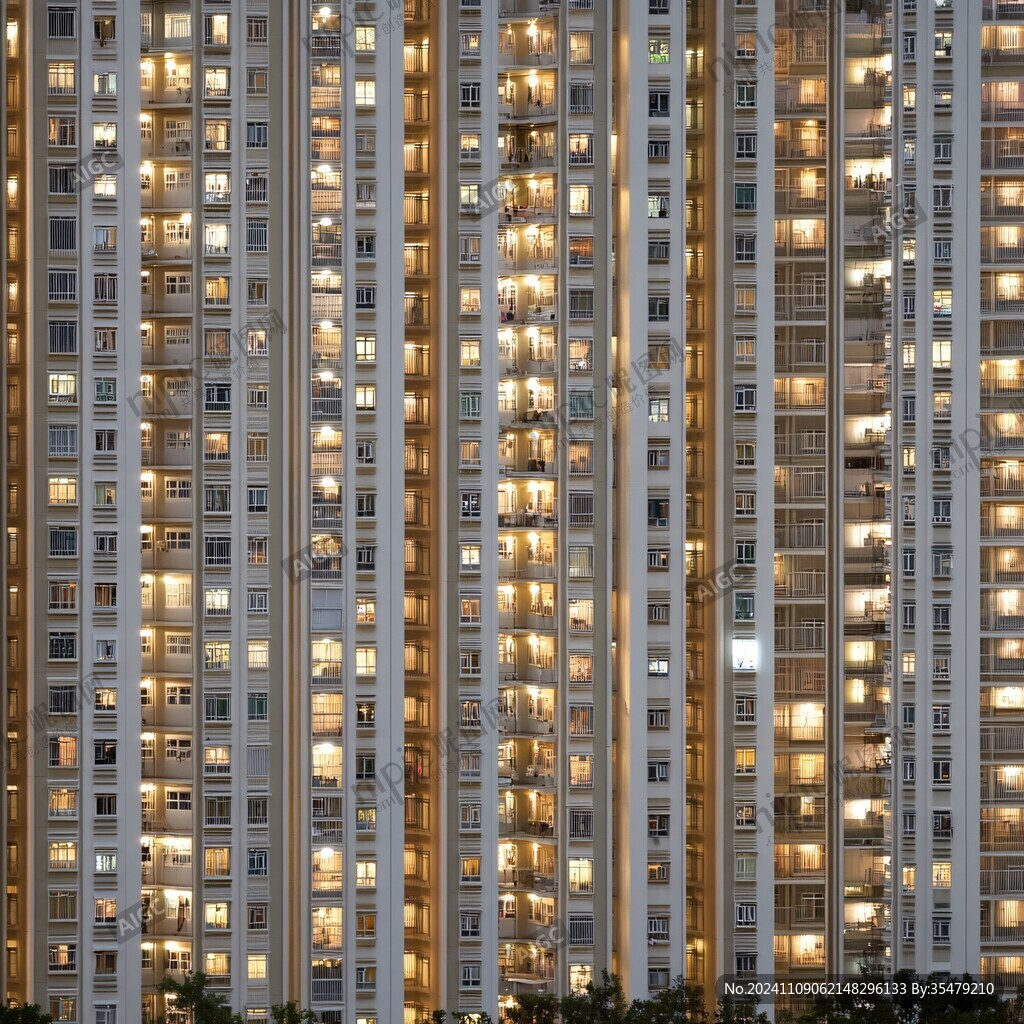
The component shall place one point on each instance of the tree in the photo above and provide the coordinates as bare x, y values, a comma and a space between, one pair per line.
529, 1009
27, 1014
679, 1004
961, 1007
201, 1006
289, 1013
731, 1012
440, 1016
598, 1004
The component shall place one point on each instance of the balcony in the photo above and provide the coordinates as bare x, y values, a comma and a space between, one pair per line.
522, 46
522, 151
804, 636
1002, 201
326, 515
803, 146
1002, 830
1006, 881
1001, 109
997, 664
324, 44
992, 10
799, 393
1003, 481
327, 305
800, 199
799, 824
800, 865
799, 484
804, 97
998, 439
417, 210
794, 303
417, 310
803, 443
1002, 740
804, 535
1008, 251
326, 198
327, 254
801, 584
527, 879
1002, 154
1007, 522
325, 97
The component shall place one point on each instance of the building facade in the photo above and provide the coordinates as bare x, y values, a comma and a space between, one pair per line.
342, 686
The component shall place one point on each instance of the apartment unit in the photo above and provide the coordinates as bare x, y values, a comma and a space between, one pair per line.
401, 638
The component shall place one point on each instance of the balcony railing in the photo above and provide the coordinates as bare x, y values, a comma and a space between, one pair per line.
801, 535
992, 10
805, 636
1003, 524
1002, 110
1007, 881
802, 583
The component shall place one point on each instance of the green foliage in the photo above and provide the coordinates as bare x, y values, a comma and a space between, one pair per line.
606, 1003
27, 1014
203, 1007
603, 1004
289, 1013
940, 1007
531, 1009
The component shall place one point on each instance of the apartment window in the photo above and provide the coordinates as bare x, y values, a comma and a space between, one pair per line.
178, 799
942, 510
909, 562
581, 47
62, 285
657, 828
257, 135
942, 562
746, 915
746, 95
61, 78
657, 718
469, 95
745, 398
581, 97
256, 31
745, 246
745, 710
658, 102
745, 196
746, 146
743, 607
746, 503
581, 875
257, 235
581, 771
61, 23
658, 410
580, 200
909, 615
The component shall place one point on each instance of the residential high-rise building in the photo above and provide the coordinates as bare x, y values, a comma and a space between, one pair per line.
404, 637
